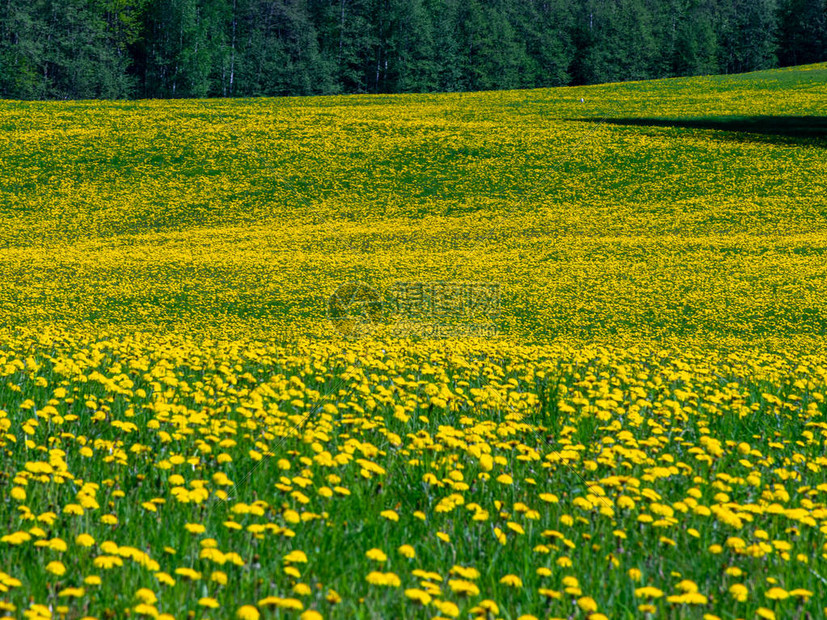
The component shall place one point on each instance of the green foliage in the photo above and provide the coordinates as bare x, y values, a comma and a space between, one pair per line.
803, 31
76, 49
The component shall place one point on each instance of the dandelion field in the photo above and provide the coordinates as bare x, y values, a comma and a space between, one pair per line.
183, 435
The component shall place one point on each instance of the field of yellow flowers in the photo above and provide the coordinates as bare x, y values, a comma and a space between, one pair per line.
184, 435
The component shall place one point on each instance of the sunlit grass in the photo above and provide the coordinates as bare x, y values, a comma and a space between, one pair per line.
184, 435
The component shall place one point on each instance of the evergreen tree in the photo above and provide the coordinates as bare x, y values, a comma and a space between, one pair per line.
545, 27
350, 41
615, 41
748, 35
802, 32
489, 53
182, 42
21, 52
589, 31
411, 64
695, 49
199, 48
276, 50
450, 65
72, 49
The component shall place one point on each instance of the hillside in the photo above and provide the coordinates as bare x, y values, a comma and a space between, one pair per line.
247, 214
184, 434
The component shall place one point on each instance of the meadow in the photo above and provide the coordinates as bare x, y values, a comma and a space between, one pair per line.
185, 435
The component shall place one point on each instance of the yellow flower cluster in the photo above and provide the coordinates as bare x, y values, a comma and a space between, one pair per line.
691, 478
240, 218
182, 437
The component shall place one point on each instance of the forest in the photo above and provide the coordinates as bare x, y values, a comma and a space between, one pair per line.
144, 49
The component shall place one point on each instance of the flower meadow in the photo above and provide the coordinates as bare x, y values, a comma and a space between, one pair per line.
154, 476
184, 435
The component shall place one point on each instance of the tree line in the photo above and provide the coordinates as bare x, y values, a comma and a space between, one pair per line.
86, 49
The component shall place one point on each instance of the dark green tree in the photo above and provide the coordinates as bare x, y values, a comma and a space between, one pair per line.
545, 28
70, 49
748, 35
410, 62
183, 47
348, 35
201, 48
695, 49
802, 32
274, 50
21, 52
615, 40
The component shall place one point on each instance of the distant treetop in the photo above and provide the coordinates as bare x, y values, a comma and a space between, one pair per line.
86, 49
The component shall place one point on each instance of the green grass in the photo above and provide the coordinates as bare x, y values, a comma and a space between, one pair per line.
172, 247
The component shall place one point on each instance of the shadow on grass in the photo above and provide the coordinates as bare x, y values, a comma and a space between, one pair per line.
784, 129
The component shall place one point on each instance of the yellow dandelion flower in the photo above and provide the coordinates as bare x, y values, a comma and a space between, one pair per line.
688, 598
466, 572
84, 540
739, 592
107, 561
247, 612
72, 593
17, 538
420, 596
801, 593
461, 586
56, 568
165, 578
145, 595
282, 603
555, 594
587, 604
512, 580
55, 544
486, 607
447, 608
296, 557
515, 527
377, 578
188, 573
144, 609
776, 594
408, 551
